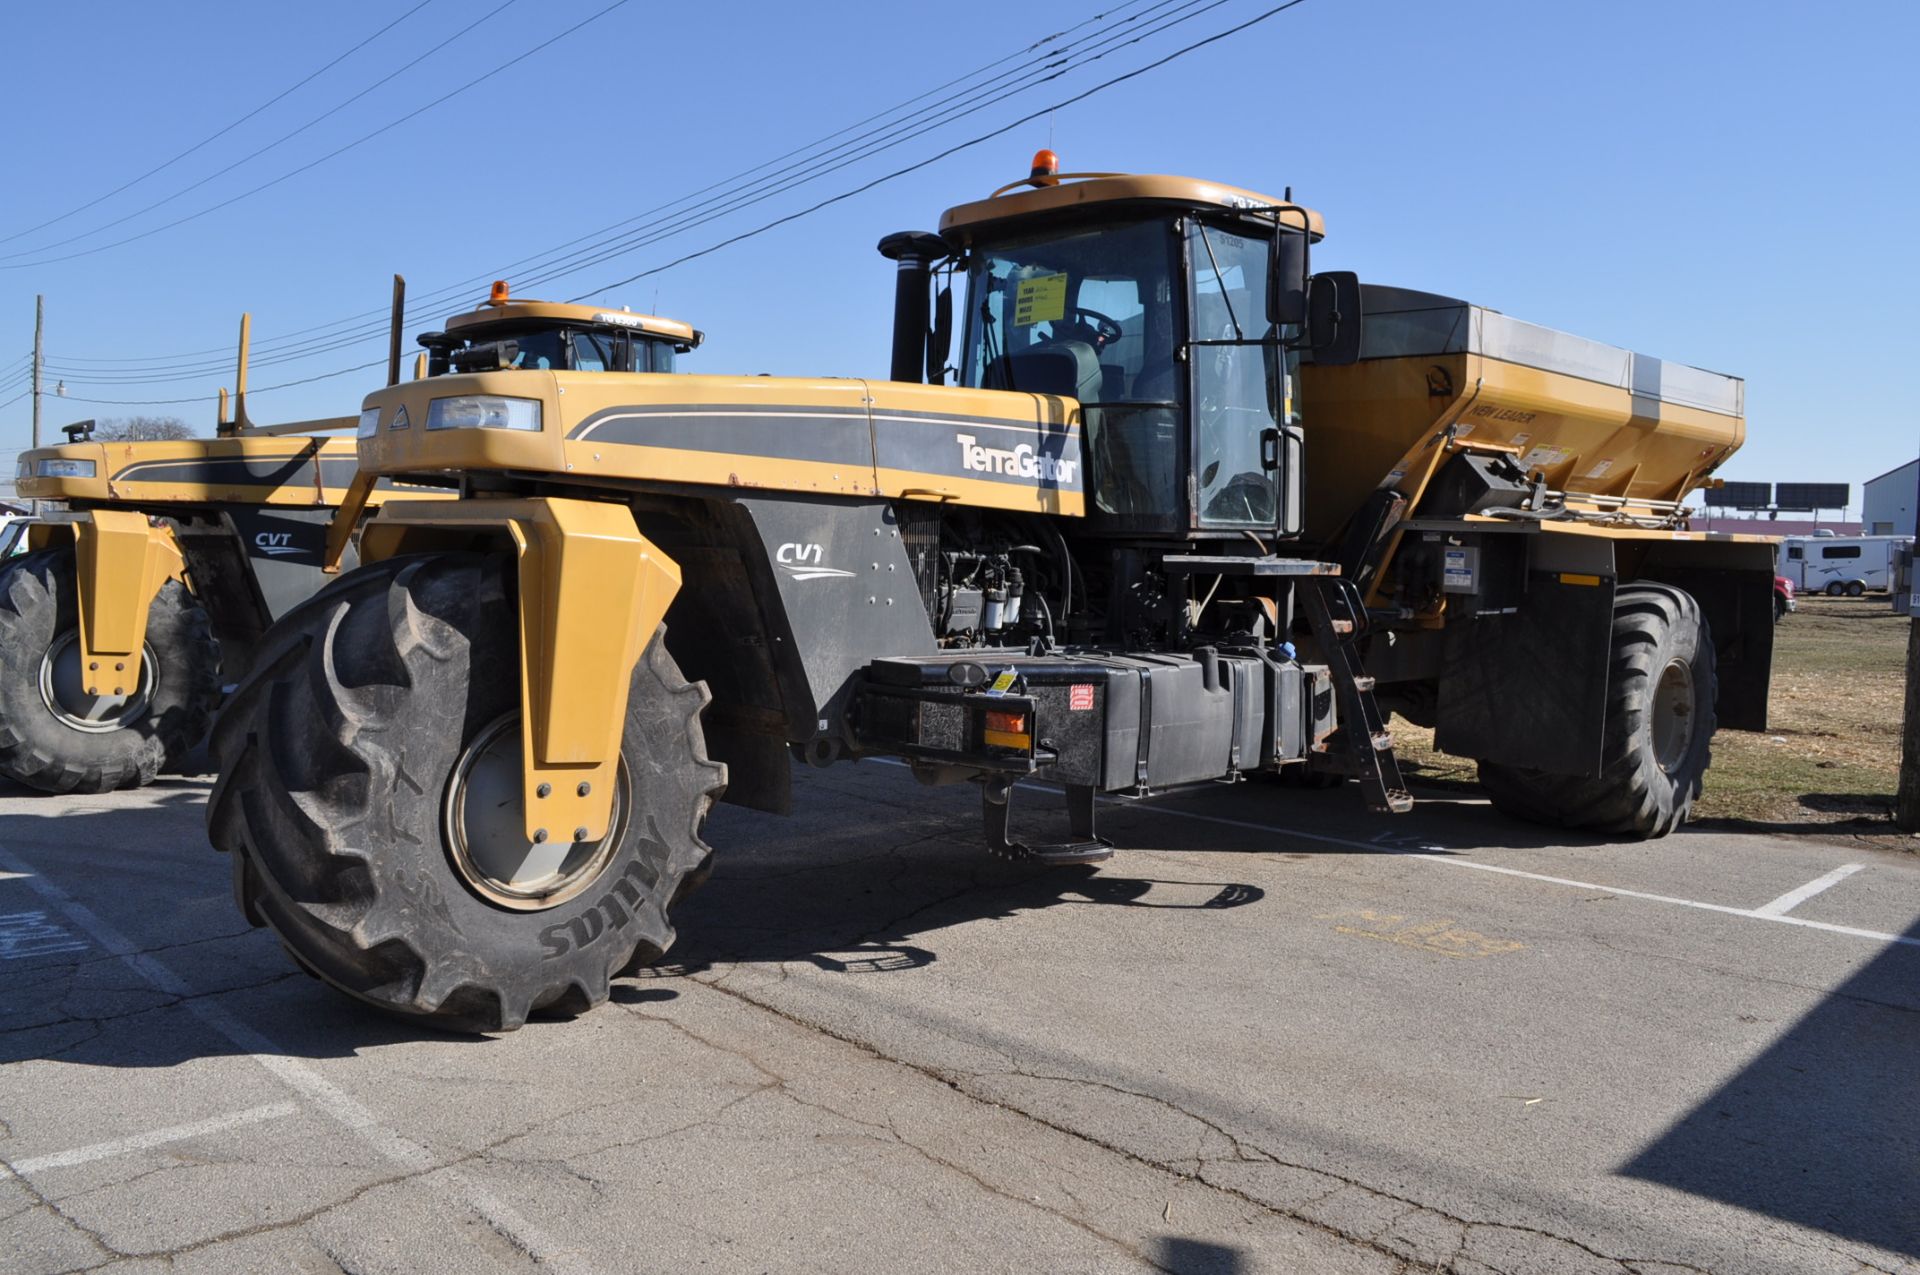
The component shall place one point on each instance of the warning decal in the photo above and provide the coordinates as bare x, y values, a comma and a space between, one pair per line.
1080, 697
1041, 299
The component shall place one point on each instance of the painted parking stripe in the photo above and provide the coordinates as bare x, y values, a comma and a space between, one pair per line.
1794, 898
1413, 847
296, 1075
1447, 858
146, 1141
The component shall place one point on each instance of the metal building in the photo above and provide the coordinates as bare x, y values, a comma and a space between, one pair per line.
1888, 506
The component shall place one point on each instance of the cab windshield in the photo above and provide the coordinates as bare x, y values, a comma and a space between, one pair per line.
1144, 323
1091, 316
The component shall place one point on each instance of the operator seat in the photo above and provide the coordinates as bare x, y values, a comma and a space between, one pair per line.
1069, 368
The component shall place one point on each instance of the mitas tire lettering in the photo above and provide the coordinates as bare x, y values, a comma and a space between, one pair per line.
336, 755
611, 913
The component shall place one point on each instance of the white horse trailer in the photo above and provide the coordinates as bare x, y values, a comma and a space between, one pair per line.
1836, 565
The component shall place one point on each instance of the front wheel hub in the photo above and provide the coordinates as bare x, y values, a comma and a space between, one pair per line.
486, 829
63, 687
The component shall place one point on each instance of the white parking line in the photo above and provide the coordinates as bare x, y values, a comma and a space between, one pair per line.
144, 1141
1446, 857
1414, 847
1794, 898
323, 1093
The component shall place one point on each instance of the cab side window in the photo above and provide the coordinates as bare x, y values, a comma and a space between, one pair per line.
592, 352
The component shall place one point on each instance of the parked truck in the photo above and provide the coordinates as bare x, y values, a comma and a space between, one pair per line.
468, 782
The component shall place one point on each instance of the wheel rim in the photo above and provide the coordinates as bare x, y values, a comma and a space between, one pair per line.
1673, 715
63, 688
486, 834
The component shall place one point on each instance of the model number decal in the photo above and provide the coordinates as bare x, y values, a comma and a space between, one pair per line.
276, 543
803, 562
1017, 462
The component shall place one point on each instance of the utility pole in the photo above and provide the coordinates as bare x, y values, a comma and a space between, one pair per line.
39, 324
1906, 806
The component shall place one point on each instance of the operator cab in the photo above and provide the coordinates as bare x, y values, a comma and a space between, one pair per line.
506, 334
1176, 312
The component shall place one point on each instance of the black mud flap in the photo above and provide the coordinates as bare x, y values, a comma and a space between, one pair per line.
1734, 587
1530, 689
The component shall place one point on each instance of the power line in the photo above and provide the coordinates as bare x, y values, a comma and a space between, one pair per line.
626, 243
839, 198
216, 136
332, 154
202, 398
278, 344
644, 238
953, 150
874, 142
1101, 44
276, 142
255, 154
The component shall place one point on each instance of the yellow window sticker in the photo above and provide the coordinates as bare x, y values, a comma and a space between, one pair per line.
1041, 299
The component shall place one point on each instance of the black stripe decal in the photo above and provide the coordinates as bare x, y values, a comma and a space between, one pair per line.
592, 425
986, 449
279, 471
833, 438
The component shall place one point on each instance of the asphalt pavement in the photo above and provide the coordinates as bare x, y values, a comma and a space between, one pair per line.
1274, 1033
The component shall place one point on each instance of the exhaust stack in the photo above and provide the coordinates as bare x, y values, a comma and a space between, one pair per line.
916, 252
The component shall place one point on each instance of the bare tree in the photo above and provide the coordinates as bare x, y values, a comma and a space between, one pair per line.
142, 429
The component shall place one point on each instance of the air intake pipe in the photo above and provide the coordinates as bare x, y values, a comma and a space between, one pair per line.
916, 252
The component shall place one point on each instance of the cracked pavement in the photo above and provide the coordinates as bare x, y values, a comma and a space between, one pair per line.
1257, 1040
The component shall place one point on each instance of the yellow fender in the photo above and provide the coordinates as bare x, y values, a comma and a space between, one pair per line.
120, 561
592, 592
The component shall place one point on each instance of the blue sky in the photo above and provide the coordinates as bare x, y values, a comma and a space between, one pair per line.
1725, 185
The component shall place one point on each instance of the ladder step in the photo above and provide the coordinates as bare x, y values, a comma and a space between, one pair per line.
1383, 742
1364, 683
1342, 627
1398, 801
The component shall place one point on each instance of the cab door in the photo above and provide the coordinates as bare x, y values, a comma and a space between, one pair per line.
1246, 437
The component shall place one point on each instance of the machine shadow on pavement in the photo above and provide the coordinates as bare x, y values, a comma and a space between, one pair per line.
856, 902
846, 897
1822, 1129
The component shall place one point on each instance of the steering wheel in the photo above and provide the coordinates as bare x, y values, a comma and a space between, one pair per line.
1105, 330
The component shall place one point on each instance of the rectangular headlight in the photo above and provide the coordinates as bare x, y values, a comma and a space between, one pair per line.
369, 422
64, 469
484, 411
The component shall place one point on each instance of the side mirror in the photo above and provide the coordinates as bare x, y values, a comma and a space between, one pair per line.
1334, 320
1287, 290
